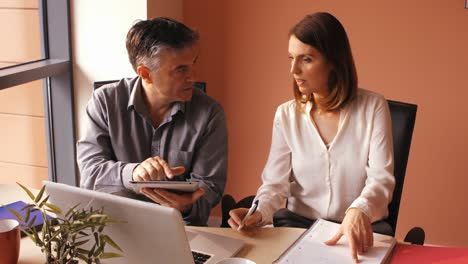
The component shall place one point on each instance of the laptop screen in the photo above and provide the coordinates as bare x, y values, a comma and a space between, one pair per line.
152, 234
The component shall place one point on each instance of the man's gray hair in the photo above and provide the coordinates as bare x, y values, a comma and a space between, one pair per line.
148, 38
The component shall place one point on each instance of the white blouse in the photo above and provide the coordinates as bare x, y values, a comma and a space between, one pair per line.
356, 171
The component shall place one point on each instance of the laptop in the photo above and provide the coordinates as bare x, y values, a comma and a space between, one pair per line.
152, 234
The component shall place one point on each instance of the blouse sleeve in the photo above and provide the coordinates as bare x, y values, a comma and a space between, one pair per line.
275, 176
380, 182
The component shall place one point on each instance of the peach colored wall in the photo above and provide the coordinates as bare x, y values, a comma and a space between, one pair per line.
413, 51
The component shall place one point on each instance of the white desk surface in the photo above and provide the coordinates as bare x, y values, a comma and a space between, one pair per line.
265, 247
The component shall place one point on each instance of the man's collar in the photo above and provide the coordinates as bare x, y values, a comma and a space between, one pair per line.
136, 98
136, 101
176, 107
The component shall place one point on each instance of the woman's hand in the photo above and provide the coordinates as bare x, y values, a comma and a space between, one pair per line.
357, 227
251, 223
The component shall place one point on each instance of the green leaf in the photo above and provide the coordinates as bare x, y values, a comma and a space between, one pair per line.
66, 253
112, 220
30, 235
71, 210
55, 234
36, 238
107, 255
101, 248
82, 257
96, 238
30, 224
77, 244
82, 251
39, 195
28, 206
111, 242
91, 251
54, 208
44, 201
28, 214
30, 194
97, 216
45, 225
14, 212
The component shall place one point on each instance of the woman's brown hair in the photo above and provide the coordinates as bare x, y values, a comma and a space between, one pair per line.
326, 34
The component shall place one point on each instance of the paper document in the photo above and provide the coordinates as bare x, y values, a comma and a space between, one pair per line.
310, 247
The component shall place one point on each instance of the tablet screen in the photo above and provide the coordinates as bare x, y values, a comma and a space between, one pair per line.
168, 185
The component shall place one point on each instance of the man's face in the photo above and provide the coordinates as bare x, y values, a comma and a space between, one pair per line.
174, 78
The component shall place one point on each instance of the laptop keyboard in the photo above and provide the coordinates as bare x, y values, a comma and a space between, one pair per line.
200, 258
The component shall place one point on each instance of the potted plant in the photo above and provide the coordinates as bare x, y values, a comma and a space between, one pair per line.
78, 234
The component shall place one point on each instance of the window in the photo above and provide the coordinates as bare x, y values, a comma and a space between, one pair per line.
53, 67
23, 155
20, 28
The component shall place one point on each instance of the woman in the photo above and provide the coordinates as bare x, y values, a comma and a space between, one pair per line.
331, 155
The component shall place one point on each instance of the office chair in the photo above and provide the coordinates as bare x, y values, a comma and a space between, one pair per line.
101, 83
403, 117
228, 203
199, 85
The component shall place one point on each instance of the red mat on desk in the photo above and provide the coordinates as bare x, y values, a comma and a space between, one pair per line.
403, 254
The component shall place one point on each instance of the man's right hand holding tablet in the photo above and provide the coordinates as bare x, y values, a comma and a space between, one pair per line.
156, 169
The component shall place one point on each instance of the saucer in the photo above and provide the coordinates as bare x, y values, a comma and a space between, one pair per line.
236, 261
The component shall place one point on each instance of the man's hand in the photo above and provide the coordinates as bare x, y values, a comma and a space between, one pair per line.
251, 223
357, 227
155, 169
180, 201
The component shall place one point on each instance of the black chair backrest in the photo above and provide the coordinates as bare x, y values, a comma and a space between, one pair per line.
101, 83
199, 85
403, 120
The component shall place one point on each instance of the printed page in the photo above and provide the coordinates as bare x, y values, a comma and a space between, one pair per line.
311, 248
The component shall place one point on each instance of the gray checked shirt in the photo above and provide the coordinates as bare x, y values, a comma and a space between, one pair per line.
119, 135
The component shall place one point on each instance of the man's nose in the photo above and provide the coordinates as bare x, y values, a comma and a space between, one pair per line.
191, 76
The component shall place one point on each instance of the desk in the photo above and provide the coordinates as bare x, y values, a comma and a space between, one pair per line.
265, 247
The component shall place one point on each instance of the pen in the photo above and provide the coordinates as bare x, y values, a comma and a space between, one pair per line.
249, 213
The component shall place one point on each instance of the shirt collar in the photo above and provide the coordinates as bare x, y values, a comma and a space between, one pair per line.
136, 101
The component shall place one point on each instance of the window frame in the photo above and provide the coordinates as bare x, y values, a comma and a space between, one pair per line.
56, 70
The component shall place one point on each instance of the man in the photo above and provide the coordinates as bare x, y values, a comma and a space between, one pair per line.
157, 126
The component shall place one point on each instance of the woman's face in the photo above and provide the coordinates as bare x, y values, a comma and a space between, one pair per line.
309, 68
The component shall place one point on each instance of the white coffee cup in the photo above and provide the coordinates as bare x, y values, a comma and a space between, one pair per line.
236, 261
9, 241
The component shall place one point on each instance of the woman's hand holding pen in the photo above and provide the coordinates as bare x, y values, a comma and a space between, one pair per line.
250, 224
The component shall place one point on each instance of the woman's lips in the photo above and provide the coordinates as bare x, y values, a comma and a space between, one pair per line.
300, 81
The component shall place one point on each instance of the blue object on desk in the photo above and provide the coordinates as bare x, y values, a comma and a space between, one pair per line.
18, 207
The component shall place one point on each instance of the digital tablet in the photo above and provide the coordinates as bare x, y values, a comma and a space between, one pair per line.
180, 186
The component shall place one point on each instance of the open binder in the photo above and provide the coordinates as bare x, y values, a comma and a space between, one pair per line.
310, 247
18, 207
